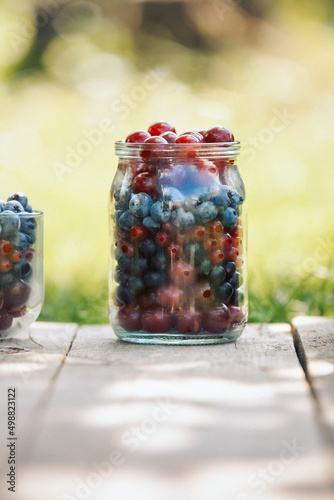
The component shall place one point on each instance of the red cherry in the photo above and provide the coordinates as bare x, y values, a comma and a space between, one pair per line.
175, 251
17, 296
204, 294
6, 320
227, 241
148, 152
216, 256
231, 253
195, 134
139, 136
217, 321
169, 136
202, 132
180, 238
129, 318
187, 139
167, 227
5, 265
171, 297
218, 134
237, 316
147, 300
237, 241
157, 321
210, 243
16, 256
188, 321
145, 183
158, 128
162, 239
207, 166
18, 313
182, 273
138, 232
5, 247
128, 249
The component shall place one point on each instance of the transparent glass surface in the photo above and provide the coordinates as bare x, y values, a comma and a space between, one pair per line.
177, 244
21, 271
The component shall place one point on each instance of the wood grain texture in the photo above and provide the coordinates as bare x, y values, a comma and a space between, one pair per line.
29, 364
225, 422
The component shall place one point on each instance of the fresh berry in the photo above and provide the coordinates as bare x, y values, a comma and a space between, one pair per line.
205, 212
6, 320
216, 256
210, 243
157, 321
198, 232
127, 220
161, 239
14, 206
123, 294
229, 218
151, 224
16, 296
169, 136
128, 249
138, 232
171, 297
135, 286
229, 267
231, 254
182, 273
160, 212
235, 280
158, 128
217, 276
217, 321
138, 136
147, 247
129, 318
204, 294
10, 223
154, 279
218, 134
182, 219
224, 292
151, 152
187, 139
20, 197
175, 251
237, 315
215, 227
194, 133
5, 265
140, 204
188, 321
5, 247
145, 183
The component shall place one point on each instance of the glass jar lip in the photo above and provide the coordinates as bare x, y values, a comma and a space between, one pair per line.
34, 213
203, 149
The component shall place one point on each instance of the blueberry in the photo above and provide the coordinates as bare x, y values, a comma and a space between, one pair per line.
7, 280
182, 219
159, 261
127, 220
229, 267
235, 280
25, 241
2, 205
173, 196
139, 265
123, 261
155, 279
122, 197
140, 204
221, 196
26, 270
135, 286
10, 223
147, 247
14, 206
160, 211
28, 223
224, 292
123, 294
20, 197
206, 211
236, 199
234, 300
205, 267
151, 224
217, 276
229, 218
121, 276
28, 208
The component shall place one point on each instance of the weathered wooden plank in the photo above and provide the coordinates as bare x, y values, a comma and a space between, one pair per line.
29, 363
232, 422
316, 335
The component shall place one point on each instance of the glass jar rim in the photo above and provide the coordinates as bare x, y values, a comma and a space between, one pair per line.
130, 150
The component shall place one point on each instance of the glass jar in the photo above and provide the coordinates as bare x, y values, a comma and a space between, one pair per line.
177, 244
21, 270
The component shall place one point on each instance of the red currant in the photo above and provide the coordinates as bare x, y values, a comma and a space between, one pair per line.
175, 251
218, 134
145, 183
182, 273
215, 226
161, 239
210, 243
5, 265
157, 321
158, 128
216, 256
217, 321
138, 232
198, 232
204, 294
188, 321
139, 136
5, 247
231, 253
29, 254
129, 318
128, 249
16, 256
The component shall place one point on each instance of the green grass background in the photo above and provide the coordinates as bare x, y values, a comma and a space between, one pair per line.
256, 69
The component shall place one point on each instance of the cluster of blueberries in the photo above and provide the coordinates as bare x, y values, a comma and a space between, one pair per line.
17, 237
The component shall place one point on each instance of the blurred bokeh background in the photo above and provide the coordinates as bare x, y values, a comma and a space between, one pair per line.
77, 75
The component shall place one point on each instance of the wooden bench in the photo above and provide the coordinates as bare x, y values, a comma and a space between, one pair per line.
101, 419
